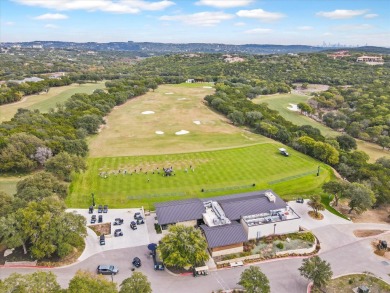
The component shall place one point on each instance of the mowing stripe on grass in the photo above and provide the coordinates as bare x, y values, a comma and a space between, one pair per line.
292, 177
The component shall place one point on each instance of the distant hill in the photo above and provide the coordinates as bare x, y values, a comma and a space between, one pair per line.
162, 48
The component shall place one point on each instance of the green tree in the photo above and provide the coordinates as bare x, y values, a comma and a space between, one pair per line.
12, 233
237, 117
183, 246
254, 281
86, 282
316, 270
6, 201
35, 282
346, 142
305, 108
335, 187
63, 164
138, 282
361, 197
315, 204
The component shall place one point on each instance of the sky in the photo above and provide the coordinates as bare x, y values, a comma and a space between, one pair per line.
283, 22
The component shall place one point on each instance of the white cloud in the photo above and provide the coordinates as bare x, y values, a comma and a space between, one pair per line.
351, 27
371, 15
305, 28
224, 3
201, 18
120, 6
327, 34
261, 14
10, 23
240, 24
341, 13
51, 26
51, 16
259, 31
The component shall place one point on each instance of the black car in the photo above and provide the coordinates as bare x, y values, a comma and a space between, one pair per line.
158, 264
90, 210
140, 221
118, 232
300, 200
100, 219
105, 209
133, 225
118, 221
136, 262
137, 216
100, 209
102, 240
93, 219
107, 270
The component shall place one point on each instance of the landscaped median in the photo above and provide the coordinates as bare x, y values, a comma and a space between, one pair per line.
270, 247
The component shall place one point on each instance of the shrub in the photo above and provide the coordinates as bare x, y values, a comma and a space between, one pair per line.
280, 245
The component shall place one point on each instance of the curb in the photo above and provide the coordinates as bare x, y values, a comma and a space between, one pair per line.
26, 266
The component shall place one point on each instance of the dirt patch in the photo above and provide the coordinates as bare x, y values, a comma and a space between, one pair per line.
311, 88
313, 215
367, 233
101, 229
350, 282
379, 215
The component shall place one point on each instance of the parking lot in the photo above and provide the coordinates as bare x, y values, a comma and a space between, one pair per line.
130, 238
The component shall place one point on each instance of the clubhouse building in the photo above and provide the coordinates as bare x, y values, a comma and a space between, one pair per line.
229, 221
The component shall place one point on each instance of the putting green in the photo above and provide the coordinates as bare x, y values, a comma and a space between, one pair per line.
216, 172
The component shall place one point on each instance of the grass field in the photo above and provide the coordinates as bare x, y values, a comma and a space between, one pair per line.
43, 102
282, 101
128, 132
8, 184
216, 172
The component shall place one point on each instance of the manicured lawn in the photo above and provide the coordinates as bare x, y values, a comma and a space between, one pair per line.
128, 132
43, 102
280, 102
8, 184
220, 172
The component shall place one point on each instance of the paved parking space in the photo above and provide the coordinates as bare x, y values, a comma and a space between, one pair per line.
130, 238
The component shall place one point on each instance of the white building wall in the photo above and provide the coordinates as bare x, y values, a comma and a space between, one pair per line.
283, 227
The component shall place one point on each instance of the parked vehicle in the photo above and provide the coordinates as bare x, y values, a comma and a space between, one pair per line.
137, 216
107, 270
100, 209
118, 232
382, 245
93, 219
284, 152
300, 200
140, 221
100, 219
201, 271
158, 264
136, 262
118, 221
102, 240
133, 225
105, 209
90, 210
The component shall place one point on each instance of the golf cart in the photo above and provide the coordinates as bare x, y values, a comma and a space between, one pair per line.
284, 152
201, 271
118, 232
133, 225
118, 221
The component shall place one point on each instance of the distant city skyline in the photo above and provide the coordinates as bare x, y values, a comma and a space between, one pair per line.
282, 22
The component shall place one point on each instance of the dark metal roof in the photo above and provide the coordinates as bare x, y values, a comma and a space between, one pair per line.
251, 203
224, 235
179, 211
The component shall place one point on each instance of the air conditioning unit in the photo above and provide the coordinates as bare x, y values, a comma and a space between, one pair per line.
271, 197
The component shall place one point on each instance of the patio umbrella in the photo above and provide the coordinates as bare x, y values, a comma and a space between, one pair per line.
152, 246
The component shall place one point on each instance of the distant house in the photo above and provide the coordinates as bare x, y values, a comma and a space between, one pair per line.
372, 60
339, 54
190, 80
27, 79
228, 221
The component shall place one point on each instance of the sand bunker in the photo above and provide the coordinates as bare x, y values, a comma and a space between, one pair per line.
293, 107
197, 122
147, 112
207, 87
181, 132
182, 99
159, 132
169, 93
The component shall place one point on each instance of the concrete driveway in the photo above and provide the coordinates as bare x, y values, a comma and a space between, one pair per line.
130, 238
